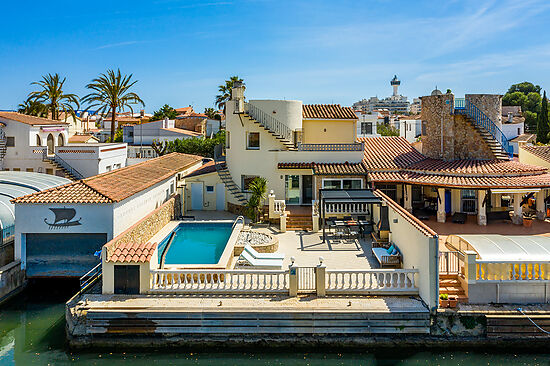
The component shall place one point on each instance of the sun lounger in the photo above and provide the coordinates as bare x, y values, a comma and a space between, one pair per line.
247, 259
258, 255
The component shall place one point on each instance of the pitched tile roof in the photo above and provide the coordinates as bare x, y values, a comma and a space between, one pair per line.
525, 137
542, 152
389, 153
81, 138
207, 168
328, 168
30, 120
116, 185
478, 167
327, 111
133, 252
182, 131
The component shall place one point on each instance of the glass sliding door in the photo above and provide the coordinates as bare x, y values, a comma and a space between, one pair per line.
292, 189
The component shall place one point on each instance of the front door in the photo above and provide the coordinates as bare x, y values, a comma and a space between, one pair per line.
196, 196
292, 189
126, 279
307, 189
220, 196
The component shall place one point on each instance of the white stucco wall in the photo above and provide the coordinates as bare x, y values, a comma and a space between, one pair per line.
93, 159
288, 112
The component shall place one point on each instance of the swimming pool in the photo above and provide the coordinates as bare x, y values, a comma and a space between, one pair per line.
196, 243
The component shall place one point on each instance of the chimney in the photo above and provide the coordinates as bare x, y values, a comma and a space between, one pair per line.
510, 117
142, 113
237, 95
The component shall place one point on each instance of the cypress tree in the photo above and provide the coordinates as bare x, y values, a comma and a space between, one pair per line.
543, 126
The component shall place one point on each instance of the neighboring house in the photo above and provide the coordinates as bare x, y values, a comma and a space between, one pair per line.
513, 125
160, 131
206, 191
83, 139
410, 127
195, 122
36, 144
58, 230
367, 123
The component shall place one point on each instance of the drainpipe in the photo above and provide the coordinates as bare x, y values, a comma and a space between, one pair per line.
434, 307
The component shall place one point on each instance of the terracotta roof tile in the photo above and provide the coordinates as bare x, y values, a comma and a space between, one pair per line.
327, 111
389, 153
133, 253
542, 152
116, 185
30, 120
328, 168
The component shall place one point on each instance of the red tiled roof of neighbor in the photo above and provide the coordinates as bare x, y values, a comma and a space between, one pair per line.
525, 137
207, 168
389, 153
542, 152
31, 120
328, 168
81, 138
133, 252
477, 167
184, 109
327, 111
182, 131
116, 185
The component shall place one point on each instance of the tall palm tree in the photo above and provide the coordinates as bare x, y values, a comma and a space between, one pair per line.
52, 96
225, 92
111, 92
33, 108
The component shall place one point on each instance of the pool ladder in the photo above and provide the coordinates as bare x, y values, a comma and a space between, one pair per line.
165, 250
240, 218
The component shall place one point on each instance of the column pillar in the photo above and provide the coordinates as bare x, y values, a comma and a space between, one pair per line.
283, 223
271, 204
481, 208
541, 210
441, 215
292, 279
320, 282
470, 266
408, 197
517, 215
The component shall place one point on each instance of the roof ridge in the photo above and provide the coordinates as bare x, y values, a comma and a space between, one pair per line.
30, 116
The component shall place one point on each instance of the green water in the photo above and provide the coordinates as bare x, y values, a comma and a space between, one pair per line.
32, 332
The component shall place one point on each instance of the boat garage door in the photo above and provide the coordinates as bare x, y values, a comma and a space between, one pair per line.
62, 255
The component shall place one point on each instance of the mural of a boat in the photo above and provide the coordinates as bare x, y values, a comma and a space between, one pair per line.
63, 217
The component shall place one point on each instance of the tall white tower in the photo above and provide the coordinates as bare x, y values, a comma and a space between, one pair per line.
395, 83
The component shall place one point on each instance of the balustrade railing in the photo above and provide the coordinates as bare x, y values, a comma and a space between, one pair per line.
371, 281
512, 271
279, 206
270, 122
220, 281
330, 147
450, 262
349, 208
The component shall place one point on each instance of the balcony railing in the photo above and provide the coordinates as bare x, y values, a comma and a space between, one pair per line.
330, 147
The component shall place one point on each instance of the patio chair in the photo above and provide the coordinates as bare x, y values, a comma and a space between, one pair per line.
246, 259
362, 218
340, 231
347, 218
257, 255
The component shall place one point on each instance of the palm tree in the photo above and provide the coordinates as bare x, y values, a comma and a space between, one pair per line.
111, 93
258, 189
225, 92
33, 108
52, 96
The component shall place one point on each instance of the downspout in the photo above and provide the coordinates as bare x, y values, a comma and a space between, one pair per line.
436, 284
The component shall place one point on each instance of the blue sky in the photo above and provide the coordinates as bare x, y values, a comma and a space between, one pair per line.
315, 51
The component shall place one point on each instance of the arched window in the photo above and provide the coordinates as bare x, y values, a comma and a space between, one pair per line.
50, 144
38, 140
60, 140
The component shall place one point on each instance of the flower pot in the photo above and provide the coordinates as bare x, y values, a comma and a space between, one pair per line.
443, 303
527, 222
453, 301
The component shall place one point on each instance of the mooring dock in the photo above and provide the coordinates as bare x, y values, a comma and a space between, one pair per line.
163, 318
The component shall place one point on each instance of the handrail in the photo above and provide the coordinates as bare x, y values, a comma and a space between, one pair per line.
270, 122
165, 250
239, 218
482, 120
90, 277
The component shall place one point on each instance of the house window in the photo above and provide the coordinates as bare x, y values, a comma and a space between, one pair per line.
108, 168
345, 183
366, 128
48, 171
10, 141
30, 170
253, 140
38, 140
246, 180
172, 189
210, 189
469, 201
130, 133
389, 190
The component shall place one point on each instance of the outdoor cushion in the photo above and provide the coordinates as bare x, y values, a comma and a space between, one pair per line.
390, 249
395, 252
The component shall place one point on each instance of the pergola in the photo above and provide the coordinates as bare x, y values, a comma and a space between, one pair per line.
351, 201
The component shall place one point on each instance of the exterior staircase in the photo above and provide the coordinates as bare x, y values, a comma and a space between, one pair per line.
489, 131
450, 285
62, 165
225, 176
272, 125
299, 218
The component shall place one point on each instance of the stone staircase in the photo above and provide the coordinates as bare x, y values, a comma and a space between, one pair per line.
298, 222
492, 143
277, 129
450, 285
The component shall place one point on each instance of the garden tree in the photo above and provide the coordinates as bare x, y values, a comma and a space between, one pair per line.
258, 190
225, 92
33, 108
213, 114
111, 93
159, 147
164, 112
524, 88
526, 95
118, 136
52, 96
543, 126
387, 130
197, 145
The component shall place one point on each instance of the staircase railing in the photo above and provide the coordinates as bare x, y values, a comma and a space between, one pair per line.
481, 120
226, 178
270, 122
56, 158
90, 278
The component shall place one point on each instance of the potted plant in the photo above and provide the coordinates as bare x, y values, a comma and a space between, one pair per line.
527, 220
258, 189
443, 300
453, 301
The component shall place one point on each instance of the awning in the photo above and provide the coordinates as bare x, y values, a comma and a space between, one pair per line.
500, 248
515, 190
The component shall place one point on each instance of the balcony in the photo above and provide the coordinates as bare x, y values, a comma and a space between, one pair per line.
330, 147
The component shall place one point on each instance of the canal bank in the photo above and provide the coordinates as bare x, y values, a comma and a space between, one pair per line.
32, 331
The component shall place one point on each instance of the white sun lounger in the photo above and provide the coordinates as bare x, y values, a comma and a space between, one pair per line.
258, 255
247, 258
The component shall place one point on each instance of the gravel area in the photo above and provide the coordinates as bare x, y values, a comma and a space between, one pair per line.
253, 238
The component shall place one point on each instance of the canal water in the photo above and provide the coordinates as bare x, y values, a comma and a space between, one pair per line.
32, 332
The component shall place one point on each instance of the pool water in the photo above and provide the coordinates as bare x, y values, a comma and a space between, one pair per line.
196, 243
